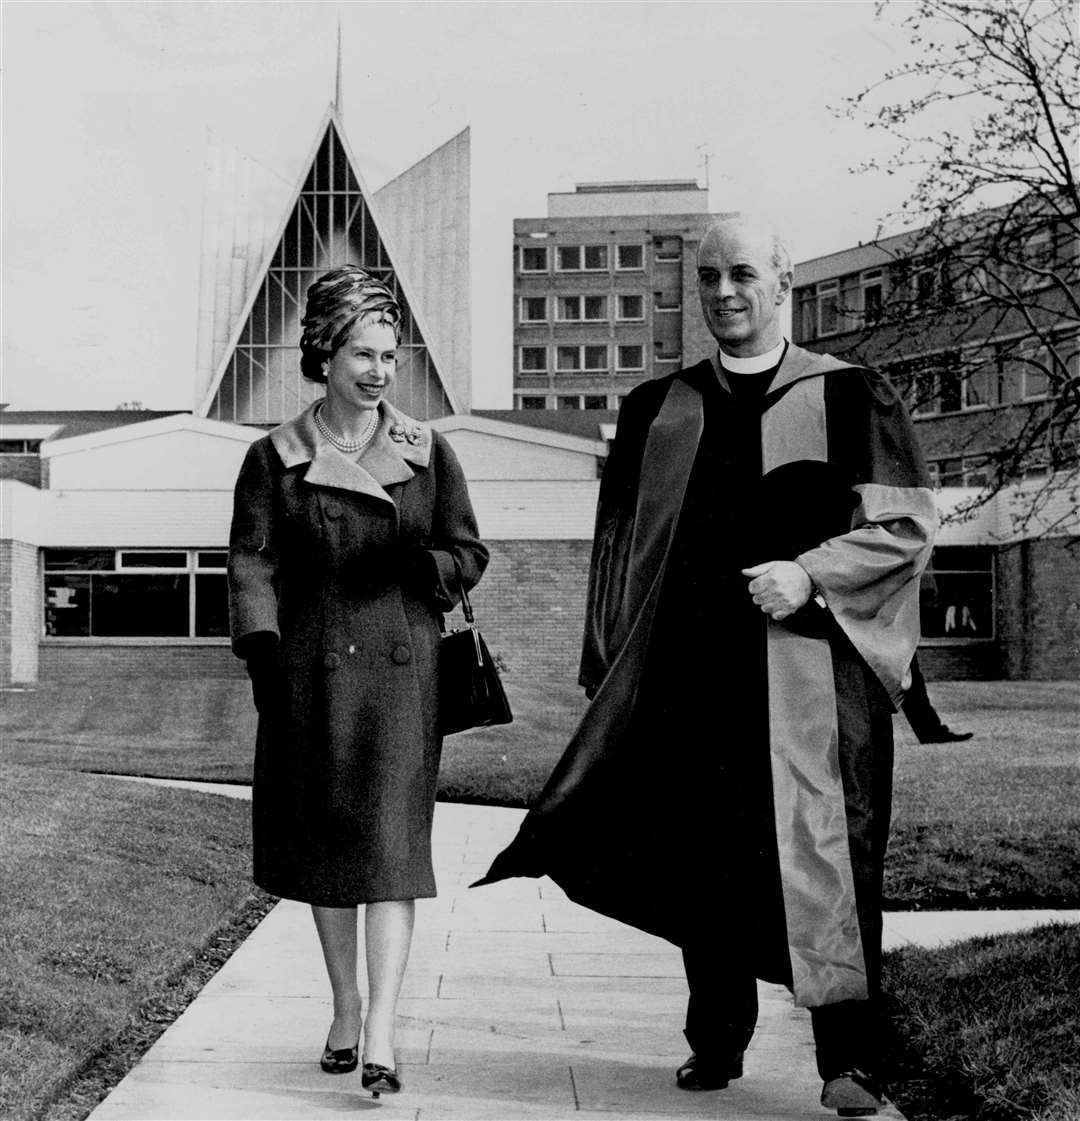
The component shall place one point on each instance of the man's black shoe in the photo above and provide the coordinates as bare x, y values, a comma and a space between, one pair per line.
852, 1094
701, 1072
945, 735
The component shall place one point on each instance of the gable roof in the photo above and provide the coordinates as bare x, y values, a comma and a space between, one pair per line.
66, 423
149, 428
502, 426
590, 424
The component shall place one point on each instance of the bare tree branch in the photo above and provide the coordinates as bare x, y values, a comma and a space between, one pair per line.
984, 293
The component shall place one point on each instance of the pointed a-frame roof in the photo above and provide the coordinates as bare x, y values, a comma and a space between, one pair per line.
331, 220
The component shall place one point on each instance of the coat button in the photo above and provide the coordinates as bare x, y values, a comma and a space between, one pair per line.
331, 661
401, 655
333, 510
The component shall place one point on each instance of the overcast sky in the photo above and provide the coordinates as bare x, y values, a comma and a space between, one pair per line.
108, 108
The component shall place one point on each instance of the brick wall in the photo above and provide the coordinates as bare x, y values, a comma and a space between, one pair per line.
975, 661
29, 469
1038, 589
531, 605
91, 661
20, 626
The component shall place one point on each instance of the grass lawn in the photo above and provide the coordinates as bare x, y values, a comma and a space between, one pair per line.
987, 1029
114, 894
993, 822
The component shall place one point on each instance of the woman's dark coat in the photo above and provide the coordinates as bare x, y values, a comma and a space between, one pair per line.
350, 565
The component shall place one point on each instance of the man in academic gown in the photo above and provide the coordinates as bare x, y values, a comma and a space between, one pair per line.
752, 613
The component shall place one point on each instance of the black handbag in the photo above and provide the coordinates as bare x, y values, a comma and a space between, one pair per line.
470, 692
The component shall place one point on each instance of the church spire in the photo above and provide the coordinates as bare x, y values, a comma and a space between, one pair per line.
338, 103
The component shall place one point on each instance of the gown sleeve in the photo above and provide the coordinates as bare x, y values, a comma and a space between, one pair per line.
869, 576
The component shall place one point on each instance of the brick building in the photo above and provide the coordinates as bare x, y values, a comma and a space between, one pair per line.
605, 292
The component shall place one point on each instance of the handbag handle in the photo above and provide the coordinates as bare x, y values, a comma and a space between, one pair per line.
467, 611
466, 606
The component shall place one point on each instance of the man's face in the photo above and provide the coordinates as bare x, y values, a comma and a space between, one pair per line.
741, 291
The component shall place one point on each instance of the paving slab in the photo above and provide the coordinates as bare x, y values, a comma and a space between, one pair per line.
517, 1005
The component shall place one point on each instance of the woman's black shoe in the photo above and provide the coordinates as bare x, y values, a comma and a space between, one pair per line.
379, 1079
342, 1061
700, 1072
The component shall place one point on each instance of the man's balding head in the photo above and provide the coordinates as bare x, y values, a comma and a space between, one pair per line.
744, 276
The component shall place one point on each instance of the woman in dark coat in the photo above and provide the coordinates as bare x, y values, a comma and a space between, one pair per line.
352, 528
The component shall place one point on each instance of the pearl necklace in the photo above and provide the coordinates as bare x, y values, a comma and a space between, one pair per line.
349, 447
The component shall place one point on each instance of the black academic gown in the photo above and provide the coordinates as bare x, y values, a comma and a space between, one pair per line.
731, 767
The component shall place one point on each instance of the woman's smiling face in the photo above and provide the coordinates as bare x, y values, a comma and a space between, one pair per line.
363, 367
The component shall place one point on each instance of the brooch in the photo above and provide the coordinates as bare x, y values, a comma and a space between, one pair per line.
397, 432
415, 434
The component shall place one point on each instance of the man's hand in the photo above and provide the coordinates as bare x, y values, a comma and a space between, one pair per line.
779, 588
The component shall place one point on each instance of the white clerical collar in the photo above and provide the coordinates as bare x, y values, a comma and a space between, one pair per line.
756, 365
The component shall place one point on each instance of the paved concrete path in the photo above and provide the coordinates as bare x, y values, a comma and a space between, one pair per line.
517, 1004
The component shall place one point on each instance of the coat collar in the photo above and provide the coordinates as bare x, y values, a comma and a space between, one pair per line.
794, 366
399, 445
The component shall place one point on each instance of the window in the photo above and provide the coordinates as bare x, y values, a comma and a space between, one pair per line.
873, 293
534, 258
533, 403
925, 286
981, 385
132, 593
667, 303
533, 309
828, 311
568, 359
629, 257
630, 308
956, 595
581, 258
595, 358
630, 357
661, 355
568, 402
568, 258
805, 326
951, 472
872, 303
917, 381
595, 402
595, 307
568, 309
595, 258
574, 359
20, 447
1034, 381
820, 309
574, 309
532, 359
976, 470
950, 383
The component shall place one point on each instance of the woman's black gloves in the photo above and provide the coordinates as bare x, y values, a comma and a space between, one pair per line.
261, 654
409, 567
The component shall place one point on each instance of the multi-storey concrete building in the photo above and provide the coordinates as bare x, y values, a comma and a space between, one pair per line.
605, 292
